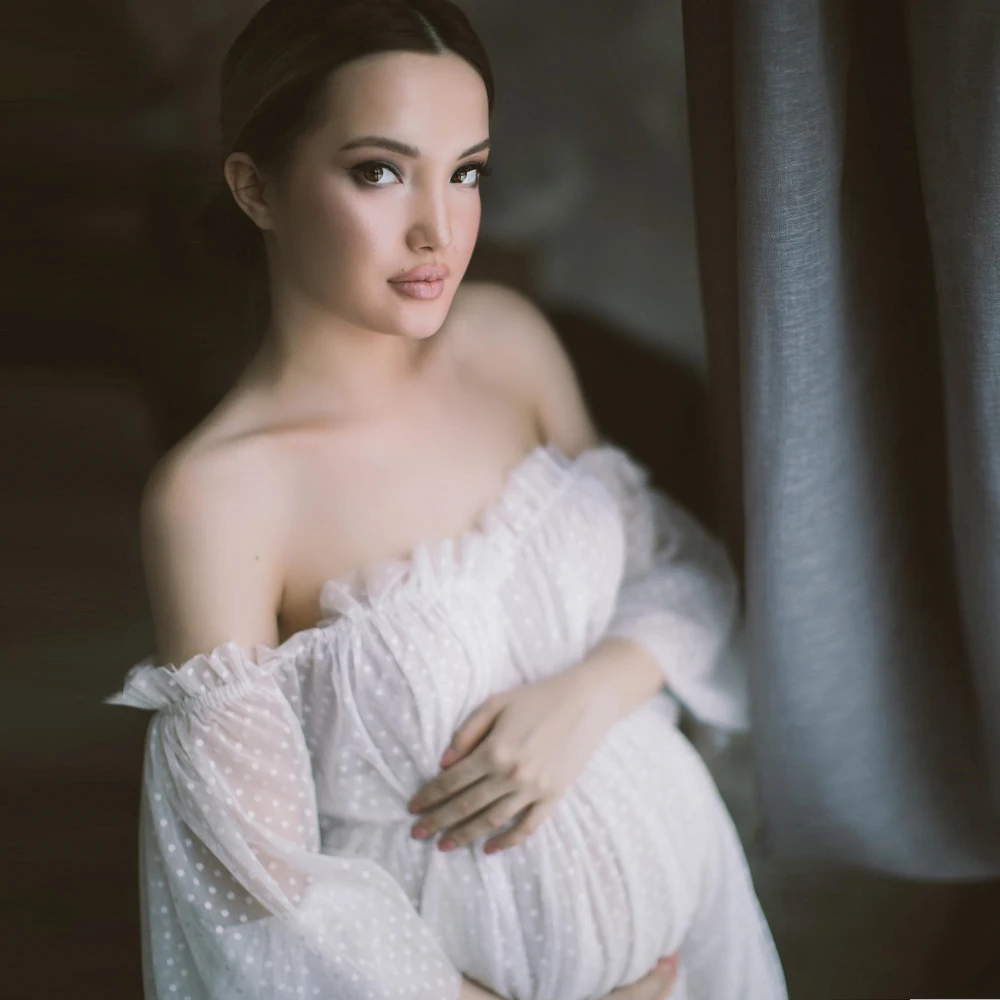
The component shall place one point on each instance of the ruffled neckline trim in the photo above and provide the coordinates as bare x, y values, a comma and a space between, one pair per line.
480, 552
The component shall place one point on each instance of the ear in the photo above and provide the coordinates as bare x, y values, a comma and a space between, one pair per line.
249, 188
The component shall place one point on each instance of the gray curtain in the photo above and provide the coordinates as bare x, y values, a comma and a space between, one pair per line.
847, 186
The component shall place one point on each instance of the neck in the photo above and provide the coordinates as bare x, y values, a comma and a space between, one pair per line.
324, 362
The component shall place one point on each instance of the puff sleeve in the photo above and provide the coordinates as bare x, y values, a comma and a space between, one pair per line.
237, 900
679, 597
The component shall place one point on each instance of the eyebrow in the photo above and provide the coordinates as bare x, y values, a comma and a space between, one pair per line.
402, 148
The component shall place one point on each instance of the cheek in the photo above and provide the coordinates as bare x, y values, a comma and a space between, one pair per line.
348, 228
467, 225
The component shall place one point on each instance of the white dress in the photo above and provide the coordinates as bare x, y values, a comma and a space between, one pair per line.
276, 856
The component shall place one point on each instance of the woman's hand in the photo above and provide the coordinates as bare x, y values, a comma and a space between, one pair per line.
657, 984
517, 753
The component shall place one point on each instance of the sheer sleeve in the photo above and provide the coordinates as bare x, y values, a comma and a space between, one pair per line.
679, 596
237, 900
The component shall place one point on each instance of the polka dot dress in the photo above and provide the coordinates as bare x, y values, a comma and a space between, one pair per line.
276, 856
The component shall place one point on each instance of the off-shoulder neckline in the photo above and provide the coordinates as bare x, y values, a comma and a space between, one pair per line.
425, 561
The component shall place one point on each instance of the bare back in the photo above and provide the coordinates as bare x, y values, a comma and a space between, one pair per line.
284, 506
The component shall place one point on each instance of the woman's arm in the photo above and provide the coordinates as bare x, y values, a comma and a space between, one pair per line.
213, 528
679, 597
238, 900
678, 607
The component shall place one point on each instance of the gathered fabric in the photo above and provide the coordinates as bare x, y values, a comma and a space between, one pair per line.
275, 849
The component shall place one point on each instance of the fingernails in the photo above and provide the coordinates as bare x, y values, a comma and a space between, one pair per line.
667, 962
447, 757
420, 832
446, 844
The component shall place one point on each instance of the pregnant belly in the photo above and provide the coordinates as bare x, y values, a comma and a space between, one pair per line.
594, 896
606, 885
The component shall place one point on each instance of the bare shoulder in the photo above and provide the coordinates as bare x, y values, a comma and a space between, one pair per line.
211, 522
513, 339
503, 320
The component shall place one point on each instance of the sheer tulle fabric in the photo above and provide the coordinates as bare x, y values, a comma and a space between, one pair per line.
275, 847
238, 898
679, 597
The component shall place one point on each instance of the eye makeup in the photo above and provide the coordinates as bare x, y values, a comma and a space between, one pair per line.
357, 172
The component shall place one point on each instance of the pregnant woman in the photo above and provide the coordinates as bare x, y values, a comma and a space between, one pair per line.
422, 633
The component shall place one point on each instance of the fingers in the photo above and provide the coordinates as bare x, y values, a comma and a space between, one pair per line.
477, 811
485, 822
471, 732
668, 974
532, 819
466, 772
655, 985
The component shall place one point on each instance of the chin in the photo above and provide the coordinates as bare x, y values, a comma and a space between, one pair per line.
419, 320
421, 330
418, 327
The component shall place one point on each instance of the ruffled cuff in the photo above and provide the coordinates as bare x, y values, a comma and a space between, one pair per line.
210, 679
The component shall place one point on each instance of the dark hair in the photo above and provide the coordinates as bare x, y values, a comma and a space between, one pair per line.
272, 90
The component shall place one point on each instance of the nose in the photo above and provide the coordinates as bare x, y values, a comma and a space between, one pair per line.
431, 227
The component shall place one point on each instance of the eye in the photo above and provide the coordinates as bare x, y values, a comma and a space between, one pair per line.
480, 170
374, 173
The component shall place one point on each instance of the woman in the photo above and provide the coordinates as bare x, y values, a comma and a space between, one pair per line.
401, 587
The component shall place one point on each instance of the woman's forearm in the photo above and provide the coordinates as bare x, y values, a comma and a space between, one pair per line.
623, 672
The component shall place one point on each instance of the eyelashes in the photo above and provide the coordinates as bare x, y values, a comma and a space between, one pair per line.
481, 168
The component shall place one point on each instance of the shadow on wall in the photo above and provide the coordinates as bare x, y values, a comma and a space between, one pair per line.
651, 404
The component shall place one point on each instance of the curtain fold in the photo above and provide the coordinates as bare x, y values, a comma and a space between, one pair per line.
846, 170
955, 54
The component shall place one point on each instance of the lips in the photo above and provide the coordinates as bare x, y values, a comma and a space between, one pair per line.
426, 272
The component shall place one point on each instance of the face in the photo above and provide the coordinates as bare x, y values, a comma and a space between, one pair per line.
388, 183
